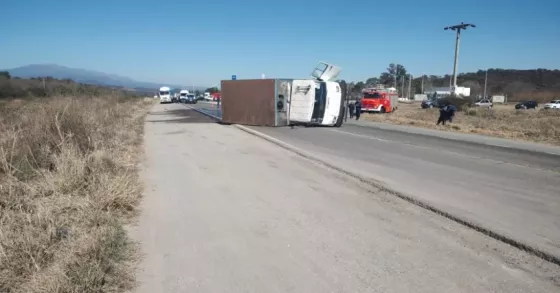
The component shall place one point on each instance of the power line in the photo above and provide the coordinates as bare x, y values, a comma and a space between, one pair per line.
457, 28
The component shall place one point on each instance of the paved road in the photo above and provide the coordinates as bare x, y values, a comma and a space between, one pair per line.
225, 211
513, 192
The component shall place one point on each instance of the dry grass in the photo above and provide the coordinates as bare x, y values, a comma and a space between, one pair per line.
501, 121
68, 184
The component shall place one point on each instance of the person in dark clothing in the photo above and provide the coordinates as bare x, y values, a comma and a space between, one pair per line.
443, 115
351, 110
358, 107
451, 109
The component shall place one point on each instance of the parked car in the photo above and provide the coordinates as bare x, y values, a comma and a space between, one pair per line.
554, 104
527, 105
429, 104
484, 103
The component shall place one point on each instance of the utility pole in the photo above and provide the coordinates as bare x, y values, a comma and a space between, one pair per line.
409, 86
422, 85
396, 73
457, 28
485, 83
402, 86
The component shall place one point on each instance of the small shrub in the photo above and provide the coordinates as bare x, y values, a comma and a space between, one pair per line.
471, 112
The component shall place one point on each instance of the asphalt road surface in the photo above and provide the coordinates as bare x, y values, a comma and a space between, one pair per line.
225, 211
512, 192
515, 193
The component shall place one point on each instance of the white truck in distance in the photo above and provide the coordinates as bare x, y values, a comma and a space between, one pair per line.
183, 96
165, 95
207, 97
186, 97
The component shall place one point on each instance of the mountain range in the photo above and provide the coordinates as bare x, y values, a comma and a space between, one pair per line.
88, 76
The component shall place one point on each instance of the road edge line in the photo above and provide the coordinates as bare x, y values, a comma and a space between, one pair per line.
425, 205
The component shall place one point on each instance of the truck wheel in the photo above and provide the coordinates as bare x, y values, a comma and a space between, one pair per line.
382, 110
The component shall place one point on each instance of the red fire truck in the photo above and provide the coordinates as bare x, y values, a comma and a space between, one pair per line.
215, 96
380, 100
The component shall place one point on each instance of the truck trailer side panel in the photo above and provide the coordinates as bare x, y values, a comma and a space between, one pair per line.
249, 102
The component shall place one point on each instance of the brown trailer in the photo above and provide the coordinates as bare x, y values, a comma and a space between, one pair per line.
258, 102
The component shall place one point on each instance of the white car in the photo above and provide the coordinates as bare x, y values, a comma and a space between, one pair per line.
484, 103
554, 104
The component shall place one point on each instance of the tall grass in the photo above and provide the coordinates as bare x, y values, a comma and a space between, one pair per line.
68, 184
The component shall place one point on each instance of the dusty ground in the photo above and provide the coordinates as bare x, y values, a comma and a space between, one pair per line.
227, 212
500, 121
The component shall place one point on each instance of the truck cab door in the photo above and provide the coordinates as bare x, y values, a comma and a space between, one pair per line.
326, 72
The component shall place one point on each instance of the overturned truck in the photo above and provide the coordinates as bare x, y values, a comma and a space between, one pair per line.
283, 102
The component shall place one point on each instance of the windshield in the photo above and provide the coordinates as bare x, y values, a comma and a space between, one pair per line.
163, 93
190, 96
183, 94
372, 96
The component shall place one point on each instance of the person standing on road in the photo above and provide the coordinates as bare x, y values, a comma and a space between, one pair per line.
358, 109
351, 110
218, 101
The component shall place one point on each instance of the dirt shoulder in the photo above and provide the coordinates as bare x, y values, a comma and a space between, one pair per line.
542, 126
68, 184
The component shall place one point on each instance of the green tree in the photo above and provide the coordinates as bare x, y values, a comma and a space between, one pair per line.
358, 87
394, 70
212, 90
197, 93
372, 81
5, 74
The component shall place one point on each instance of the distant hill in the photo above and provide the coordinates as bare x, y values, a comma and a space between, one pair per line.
87, 76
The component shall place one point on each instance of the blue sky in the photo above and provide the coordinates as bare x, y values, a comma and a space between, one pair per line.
202, 42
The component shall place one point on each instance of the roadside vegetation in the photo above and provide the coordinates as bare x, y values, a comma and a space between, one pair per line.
501, 121
541, 85
68, 185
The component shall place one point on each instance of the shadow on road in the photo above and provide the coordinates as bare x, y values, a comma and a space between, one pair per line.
178, 116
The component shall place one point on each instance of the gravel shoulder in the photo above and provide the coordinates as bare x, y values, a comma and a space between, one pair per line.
227, 212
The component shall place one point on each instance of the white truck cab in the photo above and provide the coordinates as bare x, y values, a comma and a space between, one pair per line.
165, 95
183, 96
319, 100
207, 97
